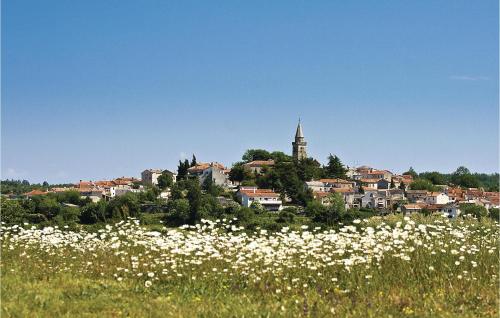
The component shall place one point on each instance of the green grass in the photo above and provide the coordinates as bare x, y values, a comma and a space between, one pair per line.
49, 282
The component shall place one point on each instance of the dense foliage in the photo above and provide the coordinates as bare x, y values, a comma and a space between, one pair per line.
461, 177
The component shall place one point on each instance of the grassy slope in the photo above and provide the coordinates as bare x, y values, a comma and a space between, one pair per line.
397, 289
70, 296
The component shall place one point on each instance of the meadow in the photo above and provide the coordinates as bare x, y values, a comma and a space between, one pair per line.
378, 267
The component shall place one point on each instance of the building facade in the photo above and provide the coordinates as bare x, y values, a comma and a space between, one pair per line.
150, 176
299, 145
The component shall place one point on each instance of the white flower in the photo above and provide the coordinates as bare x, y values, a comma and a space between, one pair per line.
148, 283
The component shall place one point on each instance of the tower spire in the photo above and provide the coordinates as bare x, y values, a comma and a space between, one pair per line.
299, 133
299, 145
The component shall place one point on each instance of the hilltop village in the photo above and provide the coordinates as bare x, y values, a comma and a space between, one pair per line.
273, 182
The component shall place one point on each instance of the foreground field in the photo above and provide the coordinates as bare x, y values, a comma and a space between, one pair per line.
397, 267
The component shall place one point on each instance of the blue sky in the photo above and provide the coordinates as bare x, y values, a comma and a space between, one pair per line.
101, 89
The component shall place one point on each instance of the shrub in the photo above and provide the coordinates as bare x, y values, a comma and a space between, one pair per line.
474, 210
286, 216
495, 214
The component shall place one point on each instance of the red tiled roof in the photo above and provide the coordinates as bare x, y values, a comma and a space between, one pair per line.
335, 180
320, 194
35, 192
203, 166
434, 194
369, 180
260, 163
256, 191
262, 194
341, 190
85, 184
379, 172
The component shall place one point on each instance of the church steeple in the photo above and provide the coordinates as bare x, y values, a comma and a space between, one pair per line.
299, 133
299, 145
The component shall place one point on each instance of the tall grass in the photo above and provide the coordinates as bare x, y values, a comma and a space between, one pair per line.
419, 267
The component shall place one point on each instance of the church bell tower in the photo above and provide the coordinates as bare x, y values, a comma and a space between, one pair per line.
299, 145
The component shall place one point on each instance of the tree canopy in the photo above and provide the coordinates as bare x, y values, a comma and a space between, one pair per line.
335, 168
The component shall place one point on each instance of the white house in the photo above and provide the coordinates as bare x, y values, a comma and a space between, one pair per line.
327, 185
451, 210
436, 198
270, 200
370, 183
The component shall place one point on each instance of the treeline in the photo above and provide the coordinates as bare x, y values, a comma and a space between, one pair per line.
18, 187
462, 177
188, 204
69, 208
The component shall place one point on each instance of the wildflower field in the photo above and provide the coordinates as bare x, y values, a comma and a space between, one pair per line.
379, 267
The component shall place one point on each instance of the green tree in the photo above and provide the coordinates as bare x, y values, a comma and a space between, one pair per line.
335, 168
287, 182
329, 215
239, 173
279, 156
257, 207
47, 206
182, 169
179, 212
71, 196
309, 169
68, 216
474, 210
287, 216
434, 177
194, 196
12, 212
462, 177
165, 180
122, 207
423, 184
315, 208
210, 207
256, 154
495, 214
193, 161
245, 216
411, 172
93, 213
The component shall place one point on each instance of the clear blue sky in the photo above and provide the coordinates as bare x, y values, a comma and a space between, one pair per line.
101, 89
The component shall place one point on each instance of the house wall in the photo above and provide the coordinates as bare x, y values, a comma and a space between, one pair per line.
149, 177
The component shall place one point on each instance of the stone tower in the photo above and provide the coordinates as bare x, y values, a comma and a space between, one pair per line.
299, 145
